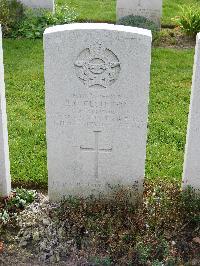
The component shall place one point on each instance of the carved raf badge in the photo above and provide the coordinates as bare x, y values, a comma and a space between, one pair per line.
97, 66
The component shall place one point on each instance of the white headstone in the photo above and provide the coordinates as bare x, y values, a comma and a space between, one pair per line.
97, 88
5, 181
150, 9
46, 4
191, 174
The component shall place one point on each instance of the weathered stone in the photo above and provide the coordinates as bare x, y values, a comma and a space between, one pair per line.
150, 9
191, 174
46, 4
5, 180
97, 87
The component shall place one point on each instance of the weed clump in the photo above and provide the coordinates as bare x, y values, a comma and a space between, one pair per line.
189, 19
140, 22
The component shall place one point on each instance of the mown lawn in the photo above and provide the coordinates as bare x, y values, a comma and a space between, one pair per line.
171, 75
25, 107
169, 100
105, 10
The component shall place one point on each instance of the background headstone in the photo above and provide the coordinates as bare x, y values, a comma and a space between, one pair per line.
97, 88
47, 4
150, 9
191, 174
5, 181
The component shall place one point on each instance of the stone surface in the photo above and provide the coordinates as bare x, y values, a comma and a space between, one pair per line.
47, 4
5, 182
191, 174
97, 88
151, 9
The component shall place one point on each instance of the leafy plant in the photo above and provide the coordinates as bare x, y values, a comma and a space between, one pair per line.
140, 22
63, 15
22, 197
36, 21
189, 19
190, 201
9, 207
143, 252
101, 261
4, 217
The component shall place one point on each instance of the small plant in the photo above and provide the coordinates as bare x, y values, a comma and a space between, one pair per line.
140, 22
22, 198
190, 201
101, 261
36, 21
143, 252
189, 19
63, 15
4, 217
9, 207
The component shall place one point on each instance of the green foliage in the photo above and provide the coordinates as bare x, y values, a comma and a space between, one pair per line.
146, 252
189, 19
36, 21
63, 15
9, 207
101, 261
171, 8
22, 198
191, 206
11, 13
140, 22
4, 217
143, 252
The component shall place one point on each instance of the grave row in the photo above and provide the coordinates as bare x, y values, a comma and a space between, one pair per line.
150, 9
97, 80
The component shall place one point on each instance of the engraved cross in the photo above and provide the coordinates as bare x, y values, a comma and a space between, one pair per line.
96, 150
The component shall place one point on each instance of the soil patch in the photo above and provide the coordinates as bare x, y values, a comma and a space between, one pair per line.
174, 38
164, 229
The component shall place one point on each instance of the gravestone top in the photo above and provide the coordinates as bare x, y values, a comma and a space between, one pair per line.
191, 174
5, 180
97, 86
150, 9
97, 26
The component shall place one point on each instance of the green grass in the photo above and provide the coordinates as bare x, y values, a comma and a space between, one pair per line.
171, 75
25, 107
169, 100
105, 10
96, 10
